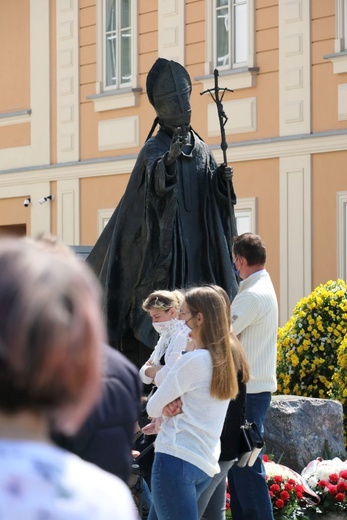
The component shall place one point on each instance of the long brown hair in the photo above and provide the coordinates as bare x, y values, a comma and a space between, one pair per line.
240, 361
215, 336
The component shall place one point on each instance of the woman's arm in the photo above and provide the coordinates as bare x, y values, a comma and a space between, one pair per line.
152, 366
178, 381
188, 372
173, 353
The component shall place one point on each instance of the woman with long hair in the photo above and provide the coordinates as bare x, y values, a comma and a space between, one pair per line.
212, 503
187, 447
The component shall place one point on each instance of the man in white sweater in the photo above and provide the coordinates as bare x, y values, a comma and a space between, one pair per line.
254, 314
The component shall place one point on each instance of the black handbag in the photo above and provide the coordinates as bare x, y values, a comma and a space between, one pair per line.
251, 443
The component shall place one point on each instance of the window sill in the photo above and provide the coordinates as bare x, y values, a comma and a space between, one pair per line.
236, 79
15, 118
339, 61
115, 99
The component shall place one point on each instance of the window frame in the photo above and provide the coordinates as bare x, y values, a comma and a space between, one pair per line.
232, 50
118, 30
240, 77
210, 63
340, 25
339, 57
128, 95
101, 51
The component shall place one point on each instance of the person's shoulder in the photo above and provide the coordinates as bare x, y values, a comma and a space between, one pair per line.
53, 478
116, 363
263, 283
254, 283
194, 358
97, 489
119, 370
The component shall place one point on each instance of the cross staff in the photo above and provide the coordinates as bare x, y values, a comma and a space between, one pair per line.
222, 117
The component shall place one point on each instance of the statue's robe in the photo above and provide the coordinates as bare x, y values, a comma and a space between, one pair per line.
171, 229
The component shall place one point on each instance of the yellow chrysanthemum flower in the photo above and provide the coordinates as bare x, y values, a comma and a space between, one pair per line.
312, 345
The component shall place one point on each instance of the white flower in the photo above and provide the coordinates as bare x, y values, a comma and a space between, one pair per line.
312, 481
272, 469
317, 470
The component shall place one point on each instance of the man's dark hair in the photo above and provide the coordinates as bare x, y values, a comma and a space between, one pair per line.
251, 247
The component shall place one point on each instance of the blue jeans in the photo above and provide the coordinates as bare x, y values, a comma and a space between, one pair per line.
176, 486
211, 504
249, 495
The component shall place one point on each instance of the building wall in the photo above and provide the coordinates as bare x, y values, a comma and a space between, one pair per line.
286, 127
329, 178
14, 84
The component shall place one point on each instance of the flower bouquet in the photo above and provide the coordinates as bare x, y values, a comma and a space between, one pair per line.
288, 491
328, 478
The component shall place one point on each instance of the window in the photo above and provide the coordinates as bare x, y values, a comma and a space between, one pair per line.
339, 57
117, 54
117, 44
231, 34
340, 25
245, 214
230, 43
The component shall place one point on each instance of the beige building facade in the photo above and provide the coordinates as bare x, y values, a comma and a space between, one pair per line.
74, 114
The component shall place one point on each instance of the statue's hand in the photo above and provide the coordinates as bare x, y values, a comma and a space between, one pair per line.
179, 139
225, 171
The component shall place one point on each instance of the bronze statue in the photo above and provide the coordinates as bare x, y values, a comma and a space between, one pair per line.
172, 228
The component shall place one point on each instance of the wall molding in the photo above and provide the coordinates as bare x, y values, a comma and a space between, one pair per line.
341, 204
67, 82
294, 66
171, 30
242, 117
295, 232
68, 211
238, 152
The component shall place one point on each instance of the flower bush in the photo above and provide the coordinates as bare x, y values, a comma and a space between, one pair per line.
308, 344
339, 380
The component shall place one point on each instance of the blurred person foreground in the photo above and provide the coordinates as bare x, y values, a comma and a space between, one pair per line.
51, 332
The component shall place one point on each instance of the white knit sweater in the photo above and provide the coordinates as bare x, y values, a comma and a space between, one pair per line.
254, 314
192, 435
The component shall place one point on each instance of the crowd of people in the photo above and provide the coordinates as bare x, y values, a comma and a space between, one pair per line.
71, 405
62, 385
199, 426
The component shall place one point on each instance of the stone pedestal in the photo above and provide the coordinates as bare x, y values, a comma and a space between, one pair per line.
300, 429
